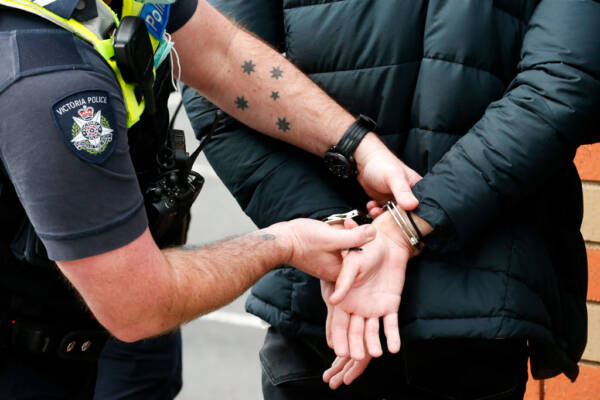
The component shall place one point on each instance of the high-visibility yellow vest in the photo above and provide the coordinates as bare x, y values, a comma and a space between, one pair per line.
92, 32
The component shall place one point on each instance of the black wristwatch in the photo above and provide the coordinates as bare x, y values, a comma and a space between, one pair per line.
340, 158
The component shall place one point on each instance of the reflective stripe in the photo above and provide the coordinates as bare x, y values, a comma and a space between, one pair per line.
92, 32
44, 3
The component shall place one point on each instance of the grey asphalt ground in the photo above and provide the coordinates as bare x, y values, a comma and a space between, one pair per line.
220, 350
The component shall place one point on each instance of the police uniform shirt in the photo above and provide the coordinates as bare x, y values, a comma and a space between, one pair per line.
63, 137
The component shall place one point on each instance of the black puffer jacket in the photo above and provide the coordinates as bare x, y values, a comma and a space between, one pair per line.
488, 100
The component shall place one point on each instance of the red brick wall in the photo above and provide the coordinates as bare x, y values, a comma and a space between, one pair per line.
587, 386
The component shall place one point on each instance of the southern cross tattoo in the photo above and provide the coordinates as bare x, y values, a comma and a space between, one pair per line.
283, 124
241, 103
275, 95
248, 67
276, 73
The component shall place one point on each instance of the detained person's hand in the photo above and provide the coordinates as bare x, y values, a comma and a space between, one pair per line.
345, 370
315, 247
369, 287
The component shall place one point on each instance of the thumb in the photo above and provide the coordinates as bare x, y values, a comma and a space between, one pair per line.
345, 280
403, 195
412, 176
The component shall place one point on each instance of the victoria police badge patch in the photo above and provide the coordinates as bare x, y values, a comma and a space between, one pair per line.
87, 124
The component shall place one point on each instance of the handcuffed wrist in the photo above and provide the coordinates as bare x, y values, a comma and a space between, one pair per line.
405, 224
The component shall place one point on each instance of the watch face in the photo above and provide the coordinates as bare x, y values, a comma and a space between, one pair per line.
339, 165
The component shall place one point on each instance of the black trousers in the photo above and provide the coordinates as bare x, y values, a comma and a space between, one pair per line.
30, 377
457, 369
146, 370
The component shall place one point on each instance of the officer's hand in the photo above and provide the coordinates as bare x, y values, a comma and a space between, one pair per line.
383, 176
315, 246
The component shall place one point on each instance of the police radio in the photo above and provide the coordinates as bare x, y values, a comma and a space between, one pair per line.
177, 185
135, 57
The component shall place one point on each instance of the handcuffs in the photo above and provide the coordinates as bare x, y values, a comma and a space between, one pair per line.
402, 218
358, 216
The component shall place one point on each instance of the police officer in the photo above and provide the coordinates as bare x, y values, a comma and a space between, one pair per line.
94, 182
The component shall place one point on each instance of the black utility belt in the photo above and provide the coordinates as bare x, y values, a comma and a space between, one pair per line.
29, 337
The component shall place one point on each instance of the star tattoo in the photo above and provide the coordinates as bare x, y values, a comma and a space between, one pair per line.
283, 124
276, 73
248, 67
241, 103
275, 95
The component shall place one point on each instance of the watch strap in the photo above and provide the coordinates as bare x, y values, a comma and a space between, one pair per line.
353, 136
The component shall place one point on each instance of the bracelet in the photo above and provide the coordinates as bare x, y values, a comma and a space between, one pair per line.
401, 218
412, 221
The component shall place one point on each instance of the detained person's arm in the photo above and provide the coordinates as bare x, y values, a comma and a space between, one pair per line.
528, 136
258, 86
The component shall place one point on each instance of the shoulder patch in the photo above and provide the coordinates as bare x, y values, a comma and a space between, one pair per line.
87, 124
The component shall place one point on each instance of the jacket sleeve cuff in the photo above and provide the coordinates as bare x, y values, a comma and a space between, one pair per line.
444, 238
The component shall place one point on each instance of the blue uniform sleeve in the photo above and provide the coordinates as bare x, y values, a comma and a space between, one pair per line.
63, 142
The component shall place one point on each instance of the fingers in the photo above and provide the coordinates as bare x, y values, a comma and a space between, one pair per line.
355, 370
339, 331
392, 334
350, 334
372, 337
356, 334
347, 367
376, 212
374, 209
350, 223
337, 380
345, 279
326, 289
372, 204
328, 323
349, 238
344, 370
336, 367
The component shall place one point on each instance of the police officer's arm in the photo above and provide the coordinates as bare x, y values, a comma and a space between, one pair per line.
258, 86
137, 290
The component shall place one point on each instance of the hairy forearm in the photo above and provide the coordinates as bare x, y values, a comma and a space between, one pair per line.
210, 277
138, 291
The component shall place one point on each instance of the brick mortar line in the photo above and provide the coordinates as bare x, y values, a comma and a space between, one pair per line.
592, 245
590, 363
590, 184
